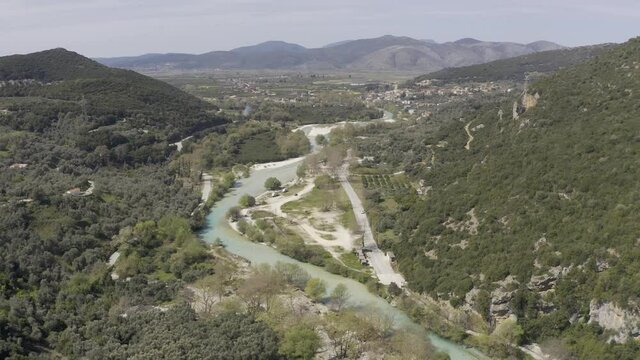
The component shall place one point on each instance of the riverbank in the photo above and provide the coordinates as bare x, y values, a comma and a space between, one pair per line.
217, 228
361, 297
283, 297
295, 234
276, 164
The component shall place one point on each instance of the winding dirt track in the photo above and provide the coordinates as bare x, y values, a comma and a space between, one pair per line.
466, 128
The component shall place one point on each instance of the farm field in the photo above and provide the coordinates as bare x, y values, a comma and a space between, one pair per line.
385, 182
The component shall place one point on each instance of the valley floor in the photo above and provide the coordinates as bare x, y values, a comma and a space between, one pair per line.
324, 228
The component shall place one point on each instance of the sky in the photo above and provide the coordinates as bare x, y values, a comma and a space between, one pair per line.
107, 28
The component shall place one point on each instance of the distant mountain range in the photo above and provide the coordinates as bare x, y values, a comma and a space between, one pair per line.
386, 53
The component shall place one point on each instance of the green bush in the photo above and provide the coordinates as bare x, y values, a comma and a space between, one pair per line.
247, 201
272, 183
300, 342
316, 289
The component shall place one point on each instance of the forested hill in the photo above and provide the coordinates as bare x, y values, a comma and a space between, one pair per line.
52, 65
105, 95
515, 69
536, 214
85, 167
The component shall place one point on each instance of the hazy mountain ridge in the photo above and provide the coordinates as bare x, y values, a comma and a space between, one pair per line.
516, 68
386, 53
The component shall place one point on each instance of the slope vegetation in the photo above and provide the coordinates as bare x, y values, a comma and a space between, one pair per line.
540, 217
85, 158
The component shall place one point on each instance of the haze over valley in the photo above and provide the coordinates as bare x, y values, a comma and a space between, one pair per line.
386, 53
381, 197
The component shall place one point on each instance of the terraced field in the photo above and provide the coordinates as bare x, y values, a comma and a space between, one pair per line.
385, 182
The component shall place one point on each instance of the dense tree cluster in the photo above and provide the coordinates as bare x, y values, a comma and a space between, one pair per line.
175, 334
316, 112
54, 246
253, 142
77, 195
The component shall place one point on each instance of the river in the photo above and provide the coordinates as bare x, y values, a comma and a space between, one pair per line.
217, 227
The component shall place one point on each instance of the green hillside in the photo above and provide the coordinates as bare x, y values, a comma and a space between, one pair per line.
547, 202
106, 95
516, 68
51, 65
115, 153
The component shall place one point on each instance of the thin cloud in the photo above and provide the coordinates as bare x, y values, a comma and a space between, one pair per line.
129, 27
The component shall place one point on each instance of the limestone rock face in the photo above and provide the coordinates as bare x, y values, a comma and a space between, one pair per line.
500, 303
499, 311
542, 282
623, 323
547, 281
530, 101
527, 102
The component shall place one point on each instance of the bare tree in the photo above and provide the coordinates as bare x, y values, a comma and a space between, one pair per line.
411, 346
341, 330
257, 290
207, 299
339, 296
334, 160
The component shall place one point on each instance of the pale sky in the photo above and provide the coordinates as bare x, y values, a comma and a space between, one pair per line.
103, 28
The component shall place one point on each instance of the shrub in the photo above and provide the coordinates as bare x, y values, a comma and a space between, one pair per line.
300, 342
247, 201
234, 213
316, 288
272, 183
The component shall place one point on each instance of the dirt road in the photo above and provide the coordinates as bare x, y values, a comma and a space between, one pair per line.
379, 261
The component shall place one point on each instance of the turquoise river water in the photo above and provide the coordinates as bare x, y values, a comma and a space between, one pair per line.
217, 227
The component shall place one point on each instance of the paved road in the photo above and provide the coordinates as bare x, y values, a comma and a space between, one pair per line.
179, 143
378, 260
